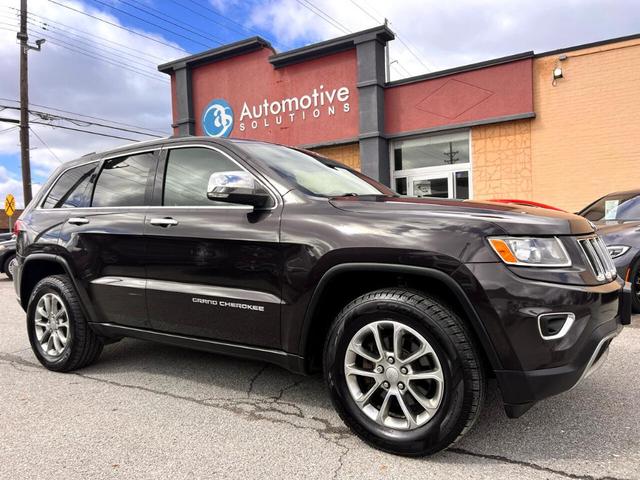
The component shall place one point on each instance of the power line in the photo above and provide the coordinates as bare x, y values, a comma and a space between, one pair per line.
80, 51
400, 39
45, 144
86, 131
178, 23
150, 23
412, 52
94, 50
90, 42
365, 11
120, 27
224, 25
86, 116
8, 129
81, 33
15, 120
318, 12
84, 123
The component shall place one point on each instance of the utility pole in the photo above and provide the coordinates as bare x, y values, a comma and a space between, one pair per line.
24, 100
24, 103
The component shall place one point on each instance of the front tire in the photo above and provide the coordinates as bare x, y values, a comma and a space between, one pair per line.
403, 372
60, 336
634, 278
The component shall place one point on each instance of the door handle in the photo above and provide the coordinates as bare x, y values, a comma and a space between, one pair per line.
163, 222
78, 221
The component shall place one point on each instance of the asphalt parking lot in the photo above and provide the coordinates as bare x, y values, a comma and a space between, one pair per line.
147, 410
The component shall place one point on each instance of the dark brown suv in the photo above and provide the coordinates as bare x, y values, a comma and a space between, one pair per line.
274, 253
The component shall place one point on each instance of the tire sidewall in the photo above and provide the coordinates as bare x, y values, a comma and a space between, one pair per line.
635, 301
448, 421
42, 288
5, 267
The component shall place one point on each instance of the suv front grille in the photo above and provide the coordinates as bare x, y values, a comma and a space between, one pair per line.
598, 258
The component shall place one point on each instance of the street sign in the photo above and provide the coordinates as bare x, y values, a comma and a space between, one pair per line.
9, 205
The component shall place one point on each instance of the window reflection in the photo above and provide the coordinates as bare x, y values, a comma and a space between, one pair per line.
123, 181
187, 175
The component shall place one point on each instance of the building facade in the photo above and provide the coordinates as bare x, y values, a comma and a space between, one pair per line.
558, 127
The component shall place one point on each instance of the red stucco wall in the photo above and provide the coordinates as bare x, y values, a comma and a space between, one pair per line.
251, 78
481, 94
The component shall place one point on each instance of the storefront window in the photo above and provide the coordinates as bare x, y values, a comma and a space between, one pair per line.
433, 166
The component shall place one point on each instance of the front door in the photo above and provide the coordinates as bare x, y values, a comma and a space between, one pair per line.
213, 268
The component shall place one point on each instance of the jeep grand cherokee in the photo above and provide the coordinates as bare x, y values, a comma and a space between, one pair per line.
273, 253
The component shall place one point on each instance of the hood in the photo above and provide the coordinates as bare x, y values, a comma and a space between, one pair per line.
512, 219
620, 233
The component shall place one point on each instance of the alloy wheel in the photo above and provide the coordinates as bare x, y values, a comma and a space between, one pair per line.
12, 266
394, 375
52, 325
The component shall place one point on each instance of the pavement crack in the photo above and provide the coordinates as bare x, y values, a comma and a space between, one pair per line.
345, 451
255, 377
533, 466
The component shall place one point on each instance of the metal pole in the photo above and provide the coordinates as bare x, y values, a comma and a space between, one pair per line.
24, 104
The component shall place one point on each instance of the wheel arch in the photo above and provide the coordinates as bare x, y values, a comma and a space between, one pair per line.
37, 266
457, 298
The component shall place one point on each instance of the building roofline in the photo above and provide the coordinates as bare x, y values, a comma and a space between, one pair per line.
382, 33
216, 54
584, 46
463, 68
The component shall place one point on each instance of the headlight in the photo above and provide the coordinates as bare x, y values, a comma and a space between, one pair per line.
617, 250
531, 252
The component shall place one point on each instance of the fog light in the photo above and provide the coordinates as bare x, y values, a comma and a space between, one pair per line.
553, 326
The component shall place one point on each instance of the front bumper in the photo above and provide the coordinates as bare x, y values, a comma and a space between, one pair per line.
534, 368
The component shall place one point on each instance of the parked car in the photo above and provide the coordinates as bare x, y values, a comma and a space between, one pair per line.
258, 250
617, 218
8, 257
5, 236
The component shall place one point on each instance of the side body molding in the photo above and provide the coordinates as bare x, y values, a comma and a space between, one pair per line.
473, 317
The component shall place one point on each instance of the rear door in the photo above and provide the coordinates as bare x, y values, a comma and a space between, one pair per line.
213, 268
105, 240
65, 196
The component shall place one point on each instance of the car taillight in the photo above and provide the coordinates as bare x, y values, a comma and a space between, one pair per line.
17, 227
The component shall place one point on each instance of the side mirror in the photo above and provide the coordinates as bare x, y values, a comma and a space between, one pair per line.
237, 187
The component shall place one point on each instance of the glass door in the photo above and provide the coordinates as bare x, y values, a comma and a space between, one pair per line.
436, 185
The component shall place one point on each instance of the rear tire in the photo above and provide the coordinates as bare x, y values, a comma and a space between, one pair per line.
60, 336
8, 267
451, 396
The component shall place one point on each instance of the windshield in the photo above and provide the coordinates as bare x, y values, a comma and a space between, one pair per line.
314, 175
620, 207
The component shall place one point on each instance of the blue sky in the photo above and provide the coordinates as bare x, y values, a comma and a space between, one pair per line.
90, 67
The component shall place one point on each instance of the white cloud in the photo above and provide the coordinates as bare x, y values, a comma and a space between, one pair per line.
9, 183
447, 34
71, 81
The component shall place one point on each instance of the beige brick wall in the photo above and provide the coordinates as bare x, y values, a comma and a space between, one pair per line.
586, 135
501, 160
348, 154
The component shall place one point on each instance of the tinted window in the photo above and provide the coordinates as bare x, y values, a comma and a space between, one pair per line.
69, 189
313, 175
187, 175
614, 207
123, 181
